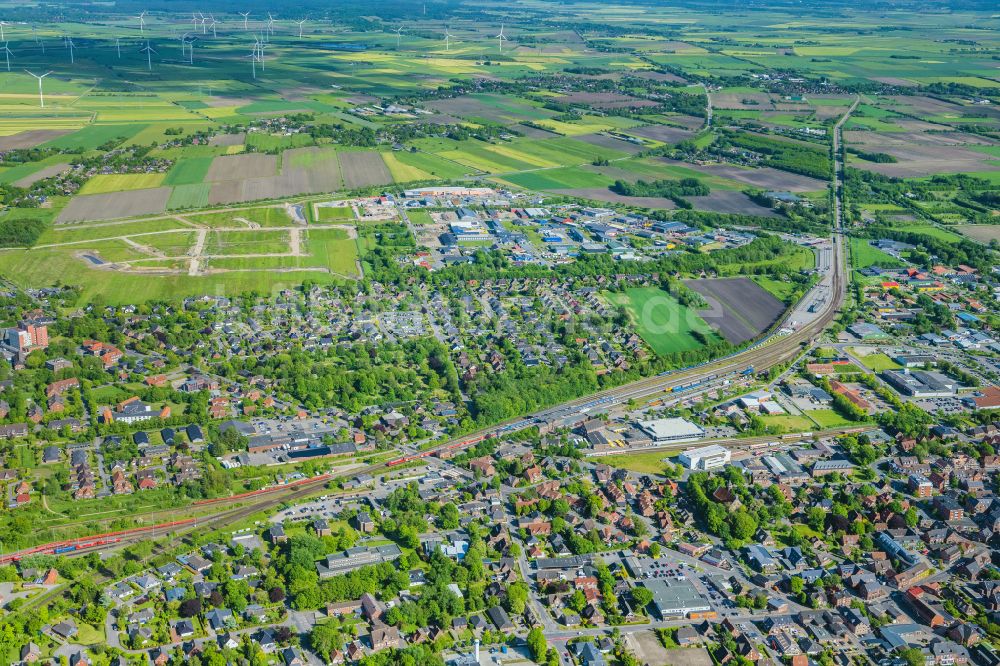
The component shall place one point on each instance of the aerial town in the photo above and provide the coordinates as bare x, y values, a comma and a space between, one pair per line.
467, 334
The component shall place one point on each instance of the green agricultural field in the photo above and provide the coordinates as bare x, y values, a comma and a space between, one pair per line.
932, 231
489, 158
663, 323
587, 125
559, 179
121, 183
20, 171
434, 165
403, 172
189, 196
272, 106
188, 171
567, 151
269, 143
92, 136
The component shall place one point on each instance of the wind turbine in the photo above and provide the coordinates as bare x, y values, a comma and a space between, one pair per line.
253, 57
500, 37
212, 26
118, 45
149, 51
270, 24
7, 52
41, 98
2, 24
185, 45
300, 27
142, 23
447, 39
190, 46
399, 32
194, 21
245, 15
70, 45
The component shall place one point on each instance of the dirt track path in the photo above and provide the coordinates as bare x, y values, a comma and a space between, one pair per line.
196, 251
145, 248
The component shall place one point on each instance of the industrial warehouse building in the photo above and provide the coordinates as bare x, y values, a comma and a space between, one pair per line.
920, 384
705, 457
676, 599
663, 431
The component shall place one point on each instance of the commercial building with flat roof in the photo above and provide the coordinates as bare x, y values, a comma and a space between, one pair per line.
824, 467
705, 457
920, 384
355, 558
675, 598
671, 430
866, 331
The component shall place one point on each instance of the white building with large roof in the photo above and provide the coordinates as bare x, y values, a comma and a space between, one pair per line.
663, 431
705, 457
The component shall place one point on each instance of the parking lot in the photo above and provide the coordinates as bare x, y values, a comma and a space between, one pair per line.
942, 405
326, 507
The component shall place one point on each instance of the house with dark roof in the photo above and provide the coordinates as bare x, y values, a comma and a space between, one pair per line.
219, 618
589, 655
498, 616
